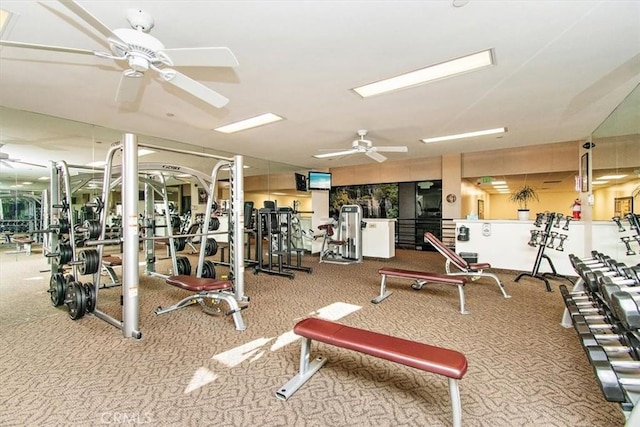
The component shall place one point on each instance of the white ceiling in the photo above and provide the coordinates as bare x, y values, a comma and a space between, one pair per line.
561, 68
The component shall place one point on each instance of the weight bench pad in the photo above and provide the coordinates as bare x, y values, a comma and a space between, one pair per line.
111, 261
22, 240
437, 360
199, 284
421, 275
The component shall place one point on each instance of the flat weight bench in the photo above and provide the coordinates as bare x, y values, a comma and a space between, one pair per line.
421, 278
206, 289
25, 241
437, 360
108, 262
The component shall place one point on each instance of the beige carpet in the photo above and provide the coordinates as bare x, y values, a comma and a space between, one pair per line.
190, 368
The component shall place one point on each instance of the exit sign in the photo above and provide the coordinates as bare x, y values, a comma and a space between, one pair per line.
486, 180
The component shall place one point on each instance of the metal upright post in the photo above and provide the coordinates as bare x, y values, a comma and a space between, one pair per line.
236, 248
130, 274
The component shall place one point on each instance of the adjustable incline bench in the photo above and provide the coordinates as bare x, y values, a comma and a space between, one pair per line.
206, 289
471, 270
421, 278
437, 360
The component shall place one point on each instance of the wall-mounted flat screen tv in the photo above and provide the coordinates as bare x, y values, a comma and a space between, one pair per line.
319, 180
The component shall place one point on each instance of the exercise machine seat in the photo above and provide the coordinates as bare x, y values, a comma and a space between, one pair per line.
199, 284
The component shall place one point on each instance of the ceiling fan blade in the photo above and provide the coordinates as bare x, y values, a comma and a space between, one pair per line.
29, 164
5, 163
335, 154
195, 88
202, 57
90, 19
391, 149
46, 47
376, 156
128, 88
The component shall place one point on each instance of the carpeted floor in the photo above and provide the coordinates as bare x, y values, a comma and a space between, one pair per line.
191, 368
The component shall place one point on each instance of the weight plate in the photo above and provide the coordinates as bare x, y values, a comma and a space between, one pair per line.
90, 297
211, 247
90, 261
208, 270
75, 300
57, 289
180, 243
184, 266
214, 223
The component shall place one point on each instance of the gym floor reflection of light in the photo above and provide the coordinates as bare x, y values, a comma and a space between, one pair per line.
254, 350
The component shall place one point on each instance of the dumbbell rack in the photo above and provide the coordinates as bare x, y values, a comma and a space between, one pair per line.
542, 245
604, 310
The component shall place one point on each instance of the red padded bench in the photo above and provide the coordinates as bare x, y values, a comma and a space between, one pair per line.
421, 278
428, 358
25, 241
209, 293
467, 269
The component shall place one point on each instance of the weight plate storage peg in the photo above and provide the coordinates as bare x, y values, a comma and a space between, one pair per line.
57, 289
75, 300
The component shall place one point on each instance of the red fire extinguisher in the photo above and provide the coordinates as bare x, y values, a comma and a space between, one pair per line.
577, 209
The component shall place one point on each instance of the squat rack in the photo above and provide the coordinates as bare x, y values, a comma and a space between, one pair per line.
129, 179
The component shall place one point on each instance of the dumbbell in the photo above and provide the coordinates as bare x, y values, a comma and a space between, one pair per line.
616, 219
613, 375
629, 281
558, 219
627, 241
582, 308
566, 224
624, 306
562, 238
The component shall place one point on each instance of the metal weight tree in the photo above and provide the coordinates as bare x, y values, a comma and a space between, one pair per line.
544, 239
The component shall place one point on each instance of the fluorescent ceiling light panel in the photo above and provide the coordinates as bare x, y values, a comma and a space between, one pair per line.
475, 61
598, 182
6, 18
611, 177
494, 183
253, 122
465, 135
333, 154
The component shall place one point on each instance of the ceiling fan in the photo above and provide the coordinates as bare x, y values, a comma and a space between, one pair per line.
365, 146
6, 160
142, 52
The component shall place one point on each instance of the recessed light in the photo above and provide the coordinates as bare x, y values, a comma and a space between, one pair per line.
252, 122
598, 182
494, 183
475, 61
97, 163
465, 135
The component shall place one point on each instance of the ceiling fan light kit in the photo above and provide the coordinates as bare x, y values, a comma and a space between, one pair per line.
142, 52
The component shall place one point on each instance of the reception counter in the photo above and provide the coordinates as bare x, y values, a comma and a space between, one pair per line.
504, 243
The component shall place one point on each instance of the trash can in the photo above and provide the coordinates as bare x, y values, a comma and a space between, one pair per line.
470, 257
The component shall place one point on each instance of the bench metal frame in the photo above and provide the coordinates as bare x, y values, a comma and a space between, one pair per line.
309, 367
419, 283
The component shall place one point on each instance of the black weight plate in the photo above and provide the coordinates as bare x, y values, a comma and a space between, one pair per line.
214, 223
211, 247
57, 289
75, 299
208, 270
90, 261
184, 266
90, 297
